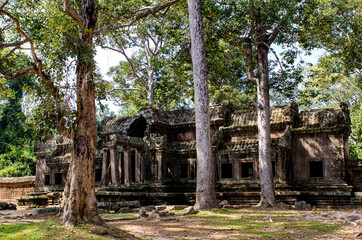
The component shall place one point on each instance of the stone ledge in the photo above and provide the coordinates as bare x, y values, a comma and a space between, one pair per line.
17, 179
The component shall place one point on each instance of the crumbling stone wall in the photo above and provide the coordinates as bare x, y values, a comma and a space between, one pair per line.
11, 188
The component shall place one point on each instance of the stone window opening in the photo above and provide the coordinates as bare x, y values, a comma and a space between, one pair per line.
121, 167
226, 170
98, 175
47, 180
247, 170
58, 178
184, 169
273, 168
316, 169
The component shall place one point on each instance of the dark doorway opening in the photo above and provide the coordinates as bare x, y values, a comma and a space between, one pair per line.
184, 170
316, 169
137, 128
227, 170
47, 180
133, 166
273, 168
121, 168
58, 179
247, 170
98, 175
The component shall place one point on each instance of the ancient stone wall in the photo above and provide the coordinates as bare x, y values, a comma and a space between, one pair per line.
11, 188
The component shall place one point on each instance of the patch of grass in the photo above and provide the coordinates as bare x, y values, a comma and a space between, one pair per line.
120, 215
252, 223
47, 230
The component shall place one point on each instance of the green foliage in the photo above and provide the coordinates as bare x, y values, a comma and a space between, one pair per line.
231, 24
16, 151
336, 27
328, 85
155, 73
240, 100
19, 161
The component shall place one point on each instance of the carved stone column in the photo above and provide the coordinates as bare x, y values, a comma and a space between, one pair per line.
159, 165
127, 166
236, 169
120, 170
137, 166
113, 153
105, 167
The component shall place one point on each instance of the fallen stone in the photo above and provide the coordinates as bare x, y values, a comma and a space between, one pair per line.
103, 211
143, 213
160, 207
118, 205
124, 210
325, 215
223, 203
99, 230
149, 208
190, 210
37, 211
154, 215
302, 205
166, 213
176, 207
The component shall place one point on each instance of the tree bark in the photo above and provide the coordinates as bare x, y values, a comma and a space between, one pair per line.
80, 203
205, 182
267, 196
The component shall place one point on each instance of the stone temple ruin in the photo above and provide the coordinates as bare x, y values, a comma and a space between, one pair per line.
151, 157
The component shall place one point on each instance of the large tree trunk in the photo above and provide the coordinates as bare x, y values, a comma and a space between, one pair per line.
263, 111
80, 203
205, 182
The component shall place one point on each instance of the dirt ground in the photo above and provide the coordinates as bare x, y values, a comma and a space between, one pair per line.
182, 228
22, 216
193, 228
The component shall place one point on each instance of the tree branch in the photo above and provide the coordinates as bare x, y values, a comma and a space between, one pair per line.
251, 66
37, 64
72, 13
4, 4
129, 89
145, 12
277, 58
274, 35
6, 45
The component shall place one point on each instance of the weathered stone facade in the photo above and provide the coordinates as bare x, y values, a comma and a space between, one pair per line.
12, 188
157, 148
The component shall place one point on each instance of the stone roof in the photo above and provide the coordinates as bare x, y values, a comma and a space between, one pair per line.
248, 118
152, 116
318, 118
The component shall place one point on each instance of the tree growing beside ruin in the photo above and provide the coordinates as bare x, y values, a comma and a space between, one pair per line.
252, 27
205, 182
79, 21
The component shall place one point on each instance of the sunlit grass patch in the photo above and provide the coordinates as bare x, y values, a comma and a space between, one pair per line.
50, 229
120, 215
